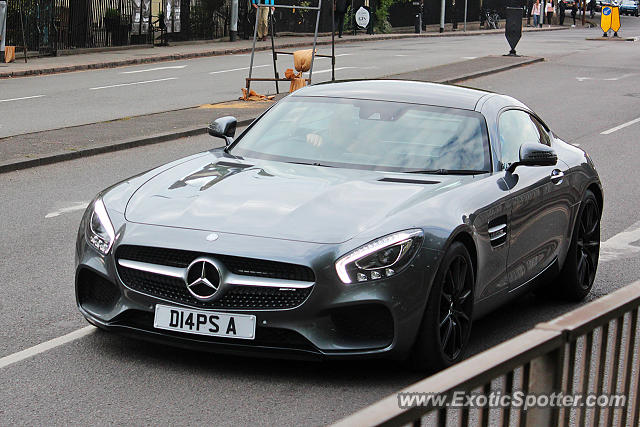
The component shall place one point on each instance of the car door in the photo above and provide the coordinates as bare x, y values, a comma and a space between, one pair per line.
538, 202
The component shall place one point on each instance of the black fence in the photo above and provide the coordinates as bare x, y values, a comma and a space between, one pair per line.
55, 25
203, 20
52, 25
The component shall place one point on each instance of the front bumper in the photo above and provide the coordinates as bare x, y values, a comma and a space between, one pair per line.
376, 319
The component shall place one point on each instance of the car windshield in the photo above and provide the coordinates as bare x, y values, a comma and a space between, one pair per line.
365, 134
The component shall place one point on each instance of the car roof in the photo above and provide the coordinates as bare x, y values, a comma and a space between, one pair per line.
398, 91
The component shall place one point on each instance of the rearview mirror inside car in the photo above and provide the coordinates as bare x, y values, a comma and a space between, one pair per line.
224, 127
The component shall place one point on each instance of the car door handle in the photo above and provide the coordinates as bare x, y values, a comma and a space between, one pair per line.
557, 176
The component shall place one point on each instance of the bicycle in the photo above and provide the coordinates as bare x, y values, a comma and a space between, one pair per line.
491, 18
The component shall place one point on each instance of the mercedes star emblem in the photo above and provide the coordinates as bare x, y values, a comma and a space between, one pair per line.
203, 279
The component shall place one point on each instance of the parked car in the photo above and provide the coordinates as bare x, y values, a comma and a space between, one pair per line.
629, 7
353, 219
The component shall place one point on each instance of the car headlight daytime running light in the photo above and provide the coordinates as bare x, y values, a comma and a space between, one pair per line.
99, 232
379, 258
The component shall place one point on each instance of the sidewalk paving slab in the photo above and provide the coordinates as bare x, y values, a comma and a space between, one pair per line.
39, 148
135, 56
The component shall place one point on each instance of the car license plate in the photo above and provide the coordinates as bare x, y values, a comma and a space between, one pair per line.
202, 322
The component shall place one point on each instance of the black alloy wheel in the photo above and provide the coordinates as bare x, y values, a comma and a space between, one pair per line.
579, 270
455, 308
588, 244
446, 323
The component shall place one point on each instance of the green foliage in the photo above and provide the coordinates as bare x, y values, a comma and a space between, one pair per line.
301, 14
382, 16
111, 13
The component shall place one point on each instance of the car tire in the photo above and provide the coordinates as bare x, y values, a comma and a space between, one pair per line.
579, 270
446, 324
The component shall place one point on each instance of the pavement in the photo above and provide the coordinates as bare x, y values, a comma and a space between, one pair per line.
144, 55
588, 96
39, 148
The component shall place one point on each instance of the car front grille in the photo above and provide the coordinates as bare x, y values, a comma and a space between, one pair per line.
235, 297
237, 265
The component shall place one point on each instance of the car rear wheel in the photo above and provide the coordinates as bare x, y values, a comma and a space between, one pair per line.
446, 324
579, 270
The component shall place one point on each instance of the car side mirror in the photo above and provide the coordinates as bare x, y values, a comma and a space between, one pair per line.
224, 127
535, 154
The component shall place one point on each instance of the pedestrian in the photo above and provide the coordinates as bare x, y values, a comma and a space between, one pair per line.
562, 6
592, 8
340, 8
263, 19
574, 12
549, 12
535, 11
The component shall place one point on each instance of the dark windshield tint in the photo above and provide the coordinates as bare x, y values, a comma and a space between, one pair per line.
367, 134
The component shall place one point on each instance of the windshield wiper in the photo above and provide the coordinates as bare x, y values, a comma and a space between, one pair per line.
449, 171
312, 164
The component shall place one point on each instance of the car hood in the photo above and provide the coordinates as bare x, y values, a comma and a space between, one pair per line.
275, 199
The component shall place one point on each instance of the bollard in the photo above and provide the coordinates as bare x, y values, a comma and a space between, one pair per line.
233, 24
513, 28
3, 28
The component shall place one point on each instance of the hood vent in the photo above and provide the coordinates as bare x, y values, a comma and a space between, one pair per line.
408, 181
234, 165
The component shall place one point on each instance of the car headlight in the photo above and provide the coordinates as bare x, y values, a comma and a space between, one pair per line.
99, 230
379, 258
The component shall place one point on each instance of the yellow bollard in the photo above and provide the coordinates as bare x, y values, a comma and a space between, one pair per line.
605, 20
615, 20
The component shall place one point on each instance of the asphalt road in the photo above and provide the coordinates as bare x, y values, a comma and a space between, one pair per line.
101, 378
49, 102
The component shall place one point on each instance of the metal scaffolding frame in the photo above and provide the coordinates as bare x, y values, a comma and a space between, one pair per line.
275, 53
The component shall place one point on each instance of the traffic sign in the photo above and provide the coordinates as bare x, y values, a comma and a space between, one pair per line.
362, 17
605, 19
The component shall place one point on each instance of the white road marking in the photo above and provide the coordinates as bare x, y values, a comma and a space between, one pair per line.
173, 67
20, 99
77, 207
238, 69
469, 57
622, 245
337, 69
622, 126
134, 83
615, 79
45, 346
609, 79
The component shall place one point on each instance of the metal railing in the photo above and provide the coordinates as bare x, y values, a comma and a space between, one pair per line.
591, 350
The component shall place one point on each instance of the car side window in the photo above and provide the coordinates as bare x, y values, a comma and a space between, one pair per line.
544, 135
517, 127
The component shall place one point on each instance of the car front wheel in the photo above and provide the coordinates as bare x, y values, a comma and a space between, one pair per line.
446, 324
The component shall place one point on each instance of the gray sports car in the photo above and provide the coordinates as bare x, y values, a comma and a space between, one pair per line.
354, 219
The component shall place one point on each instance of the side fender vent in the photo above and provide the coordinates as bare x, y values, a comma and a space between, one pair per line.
498, 231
